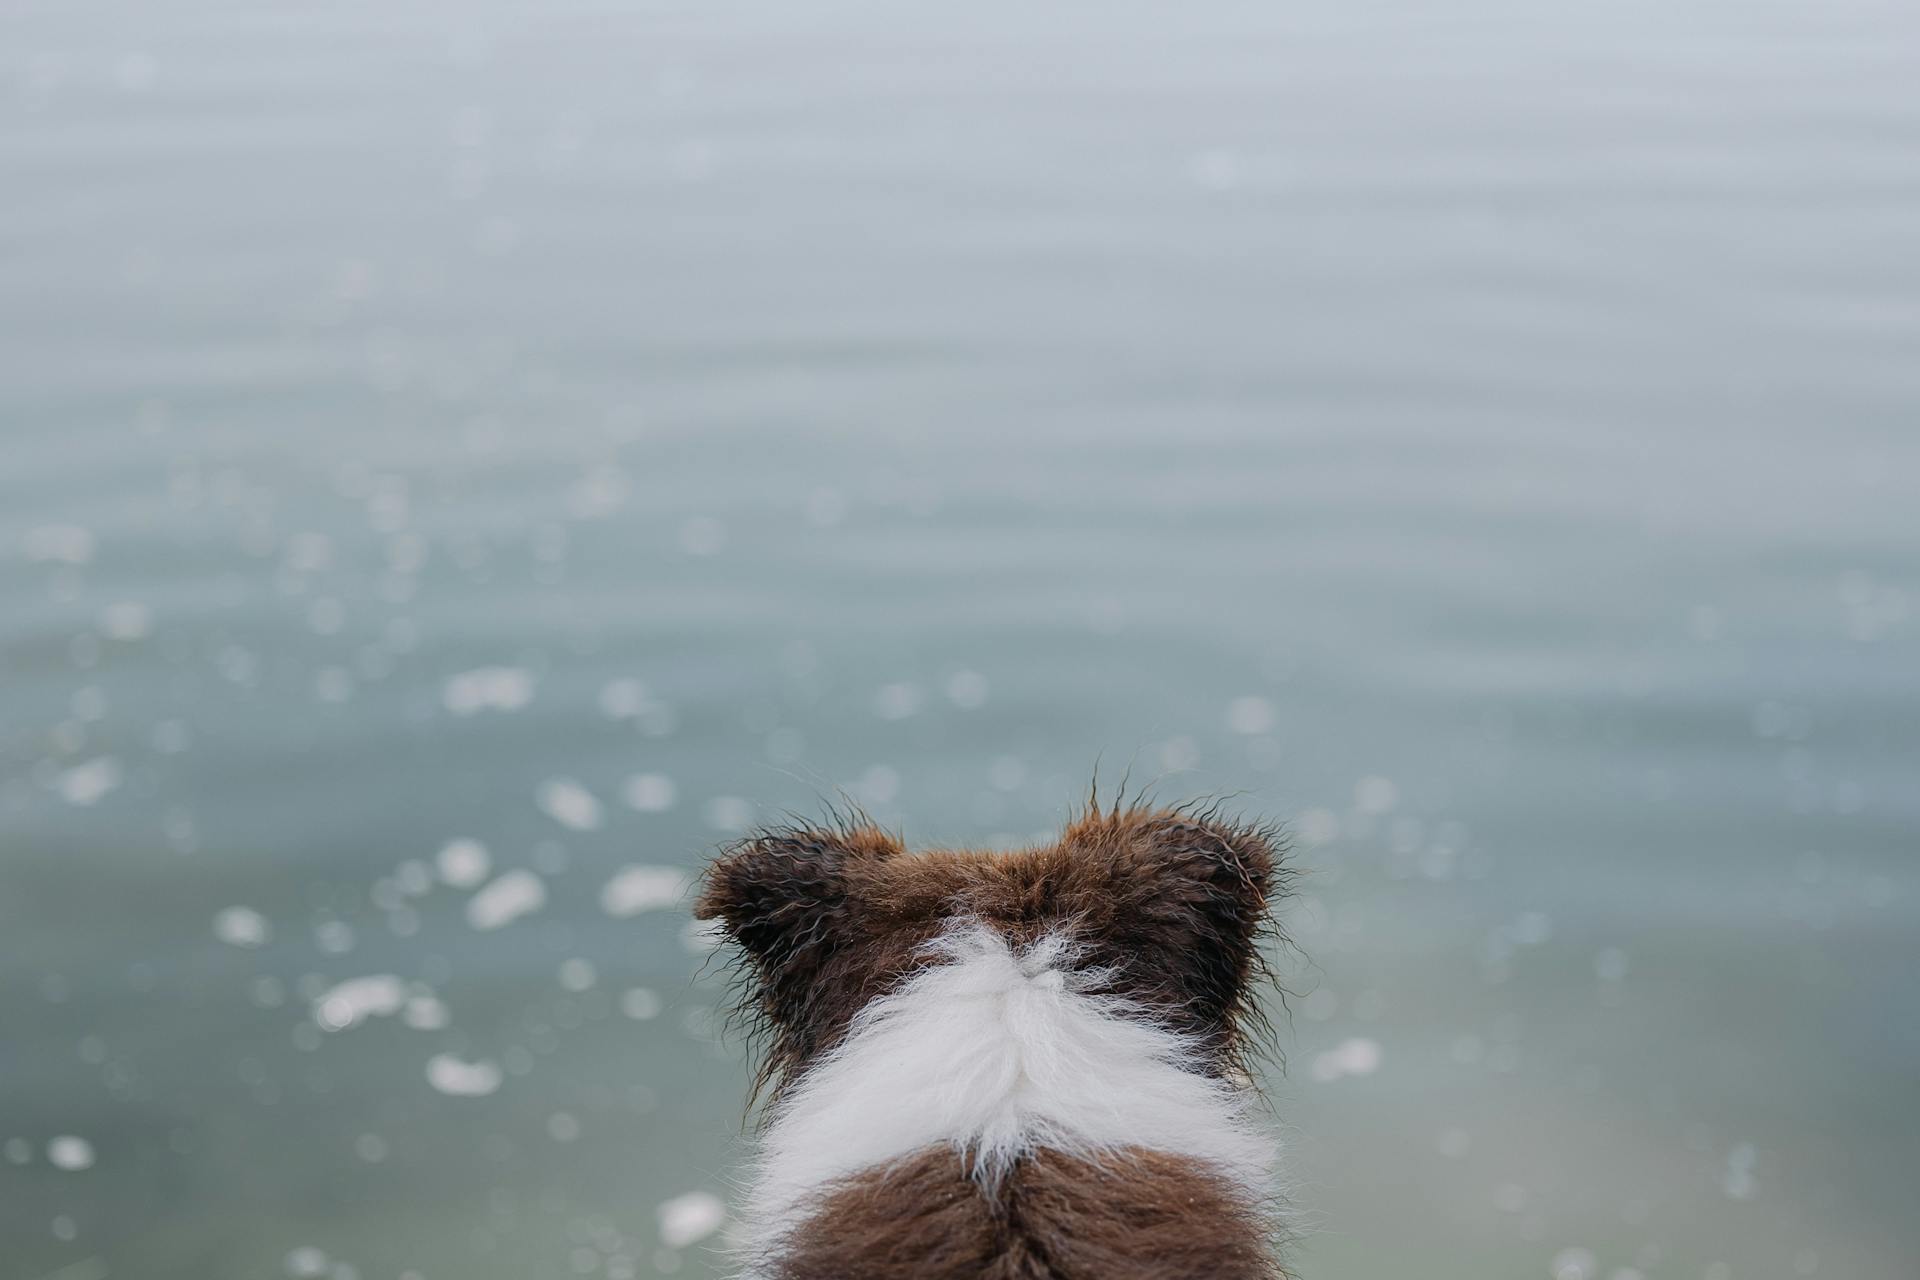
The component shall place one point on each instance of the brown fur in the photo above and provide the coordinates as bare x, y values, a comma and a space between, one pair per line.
1142, 1216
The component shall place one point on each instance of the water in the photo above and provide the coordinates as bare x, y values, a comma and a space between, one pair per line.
1484, 438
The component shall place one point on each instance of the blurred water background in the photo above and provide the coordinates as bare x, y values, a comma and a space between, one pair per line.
461, 461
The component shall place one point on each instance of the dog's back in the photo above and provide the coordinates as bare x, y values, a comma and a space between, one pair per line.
1054, 1217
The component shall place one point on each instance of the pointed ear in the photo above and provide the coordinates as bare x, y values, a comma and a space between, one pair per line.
778, 891
790, 899
1192, 896
1218, 875
785, 897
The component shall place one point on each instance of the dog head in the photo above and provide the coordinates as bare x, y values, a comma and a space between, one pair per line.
1169, 904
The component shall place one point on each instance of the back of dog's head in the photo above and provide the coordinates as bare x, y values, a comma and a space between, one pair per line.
1169, 905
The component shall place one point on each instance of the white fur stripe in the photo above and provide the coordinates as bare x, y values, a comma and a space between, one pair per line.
998, 1052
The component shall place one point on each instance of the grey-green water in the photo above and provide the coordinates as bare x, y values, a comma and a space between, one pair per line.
1484, 435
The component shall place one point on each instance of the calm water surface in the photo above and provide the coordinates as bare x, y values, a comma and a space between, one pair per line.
456, 454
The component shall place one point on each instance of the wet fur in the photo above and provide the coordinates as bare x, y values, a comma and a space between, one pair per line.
1144, 1217
1168, 905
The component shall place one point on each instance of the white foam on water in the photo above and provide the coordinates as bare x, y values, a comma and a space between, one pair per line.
426, 1013
348, 1004
691, 1218
1356, 1057
468, 693
87, 784
515, 894
70, 1153
636, 889
307, 1263
649, 792
569, 804
242, 927
1574, 1263
458, 1079
463, 863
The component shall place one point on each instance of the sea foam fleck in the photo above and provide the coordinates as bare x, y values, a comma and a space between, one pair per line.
515, 894
569, 804
636, 889
459, 1079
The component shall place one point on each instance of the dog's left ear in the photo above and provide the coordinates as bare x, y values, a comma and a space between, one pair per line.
1192, 893
786, 897
1216, 878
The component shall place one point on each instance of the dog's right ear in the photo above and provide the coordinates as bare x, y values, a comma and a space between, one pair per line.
785, 897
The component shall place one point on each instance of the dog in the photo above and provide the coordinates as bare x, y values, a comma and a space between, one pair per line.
1026, 1065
